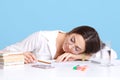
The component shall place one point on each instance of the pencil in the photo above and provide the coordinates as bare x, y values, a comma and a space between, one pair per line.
44, 62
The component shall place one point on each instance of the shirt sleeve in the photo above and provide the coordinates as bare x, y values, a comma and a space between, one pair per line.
27, 44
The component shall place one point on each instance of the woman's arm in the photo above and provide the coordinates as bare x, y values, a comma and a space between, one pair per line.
26, 46
71, 57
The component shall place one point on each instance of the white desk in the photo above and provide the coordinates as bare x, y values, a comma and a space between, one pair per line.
62, 71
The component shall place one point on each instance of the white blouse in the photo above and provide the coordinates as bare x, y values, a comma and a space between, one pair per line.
43, 45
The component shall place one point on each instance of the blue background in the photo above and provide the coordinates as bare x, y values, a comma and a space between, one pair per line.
20, 18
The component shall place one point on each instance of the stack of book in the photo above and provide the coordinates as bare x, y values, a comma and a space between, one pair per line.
11, 59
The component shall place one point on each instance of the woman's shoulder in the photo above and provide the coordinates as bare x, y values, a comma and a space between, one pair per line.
49, 34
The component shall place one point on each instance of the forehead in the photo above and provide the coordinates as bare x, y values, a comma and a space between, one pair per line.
79, 40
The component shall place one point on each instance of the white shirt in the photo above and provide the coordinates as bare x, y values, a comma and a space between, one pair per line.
43, 45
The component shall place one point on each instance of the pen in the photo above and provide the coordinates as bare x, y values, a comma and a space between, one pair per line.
44, 62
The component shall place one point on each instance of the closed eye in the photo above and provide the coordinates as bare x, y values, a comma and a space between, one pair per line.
77, 48
72, 39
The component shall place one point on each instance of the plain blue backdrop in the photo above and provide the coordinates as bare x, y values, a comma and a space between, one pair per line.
20, 18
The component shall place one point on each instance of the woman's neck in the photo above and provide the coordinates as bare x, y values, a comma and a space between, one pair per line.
59, 43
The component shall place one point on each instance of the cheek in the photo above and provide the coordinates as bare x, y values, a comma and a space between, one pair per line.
65, 43
63, 46
77, 53
66, 39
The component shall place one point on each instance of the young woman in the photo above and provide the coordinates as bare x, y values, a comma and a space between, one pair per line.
82, 41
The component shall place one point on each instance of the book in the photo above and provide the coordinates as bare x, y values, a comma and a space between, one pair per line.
8, 53
11, 59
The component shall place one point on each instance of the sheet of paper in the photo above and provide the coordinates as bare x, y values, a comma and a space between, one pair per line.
42, 66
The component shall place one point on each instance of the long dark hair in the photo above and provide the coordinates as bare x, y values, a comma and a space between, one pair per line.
91, 37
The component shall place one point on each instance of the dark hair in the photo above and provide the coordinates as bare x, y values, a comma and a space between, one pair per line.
91, 37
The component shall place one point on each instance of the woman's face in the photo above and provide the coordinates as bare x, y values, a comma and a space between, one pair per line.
74, 43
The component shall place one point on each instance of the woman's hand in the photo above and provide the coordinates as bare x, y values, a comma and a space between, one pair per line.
29, 58
66, 57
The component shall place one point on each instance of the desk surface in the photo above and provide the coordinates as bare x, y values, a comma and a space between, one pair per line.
62, 71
